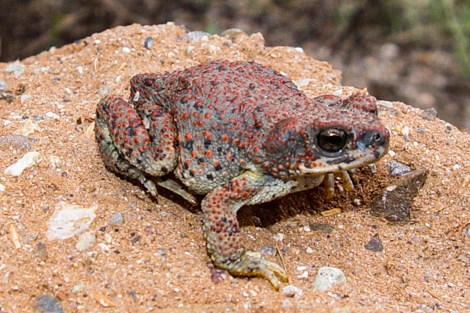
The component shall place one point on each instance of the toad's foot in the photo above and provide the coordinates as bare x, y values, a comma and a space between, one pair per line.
329, 183
174, 187
254, 264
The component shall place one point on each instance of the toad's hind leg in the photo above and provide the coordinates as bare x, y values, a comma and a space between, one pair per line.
134, 143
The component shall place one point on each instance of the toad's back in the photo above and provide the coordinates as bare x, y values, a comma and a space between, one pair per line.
223, 112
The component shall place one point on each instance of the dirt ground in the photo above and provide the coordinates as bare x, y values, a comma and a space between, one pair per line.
156, 259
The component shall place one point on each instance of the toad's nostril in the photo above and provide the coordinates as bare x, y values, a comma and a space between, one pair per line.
377, 137
374, 138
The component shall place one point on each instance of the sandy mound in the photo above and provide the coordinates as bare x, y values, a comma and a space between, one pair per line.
153, 256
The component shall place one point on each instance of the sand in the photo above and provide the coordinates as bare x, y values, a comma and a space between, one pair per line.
156, 260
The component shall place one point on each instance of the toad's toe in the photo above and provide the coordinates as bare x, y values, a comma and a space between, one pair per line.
254, 264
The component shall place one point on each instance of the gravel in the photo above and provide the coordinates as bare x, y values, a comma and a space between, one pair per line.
327, 277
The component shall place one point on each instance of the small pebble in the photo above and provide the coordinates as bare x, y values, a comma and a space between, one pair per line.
464, 259
429, 114
300, 83
189, 50
232, 32
25, 98
327, 229
338, 92
52, 115
428, 308
196, 36
150, 230
3, 85
48, 304
133, 294
374, 244
69, 220
448, 129
394, 201
268, 250
396, 168
103, 90
160, 251
29, 239
338, 296
16, 68
385, 104
28, 160
286, 303
218, 275
302, 268
104, 247
356, 202
78, 287
8, 96
2, 187
303, 275
405, 132
117, 219
85, 241
126, 50
27, 128
213, 49
327, 277
55, 161
148, 43
40, 251
135, 240
279, 237
309, 250
108, 238
292, 291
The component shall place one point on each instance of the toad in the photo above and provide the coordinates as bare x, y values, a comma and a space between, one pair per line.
239, 133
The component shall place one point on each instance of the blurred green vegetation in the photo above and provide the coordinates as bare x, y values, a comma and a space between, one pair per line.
429, 24
453, 17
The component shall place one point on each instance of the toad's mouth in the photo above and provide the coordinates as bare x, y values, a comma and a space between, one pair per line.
343, 163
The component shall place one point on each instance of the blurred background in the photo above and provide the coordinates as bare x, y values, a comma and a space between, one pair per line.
416, 51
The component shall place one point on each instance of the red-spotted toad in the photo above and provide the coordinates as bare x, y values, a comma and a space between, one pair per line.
239, 133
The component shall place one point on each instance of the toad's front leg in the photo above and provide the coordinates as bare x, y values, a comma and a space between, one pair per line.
222, 231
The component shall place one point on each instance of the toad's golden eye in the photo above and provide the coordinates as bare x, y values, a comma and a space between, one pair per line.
332, 139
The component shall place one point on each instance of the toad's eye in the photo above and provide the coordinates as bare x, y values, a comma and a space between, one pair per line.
332, 139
